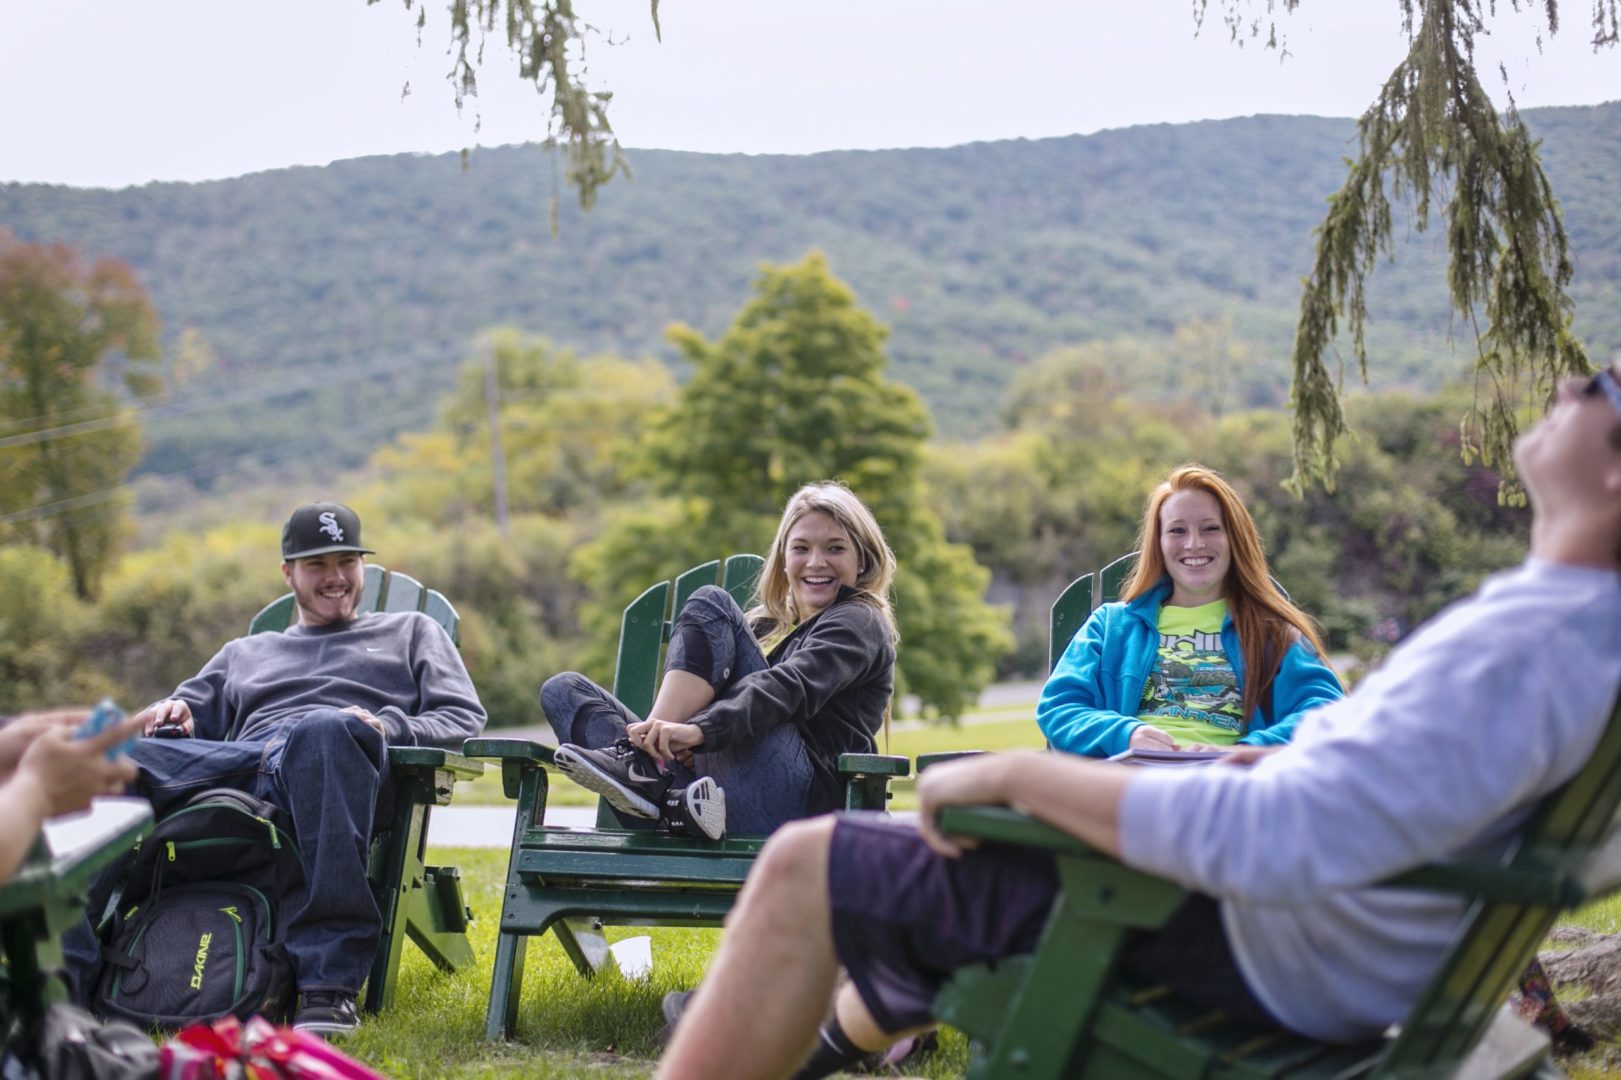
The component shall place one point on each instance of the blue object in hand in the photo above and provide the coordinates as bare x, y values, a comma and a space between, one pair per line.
105, 715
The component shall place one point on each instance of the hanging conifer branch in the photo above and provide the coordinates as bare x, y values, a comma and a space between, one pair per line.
548, 41
1433, 133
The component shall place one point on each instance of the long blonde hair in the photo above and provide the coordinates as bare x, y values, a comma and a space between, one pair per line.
775, 612
1266, 621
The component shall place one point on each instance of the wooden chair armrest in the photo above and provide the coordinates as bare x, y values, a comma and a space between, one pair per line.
432, 757
873, 765
1518, 885
1002, 825
44, 876
518, 750
517, 757
924, 761
1505, 884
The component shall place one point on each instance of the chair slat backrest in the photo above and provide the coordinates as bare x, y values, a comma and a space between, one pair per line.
1069, 614
1112, 578
641, 634
1079, 599
741, 576
689, 582
645, 627
1498, 939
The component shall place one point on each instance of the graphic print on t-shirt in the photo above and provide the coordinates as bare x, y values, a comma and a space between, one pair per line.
1191, 691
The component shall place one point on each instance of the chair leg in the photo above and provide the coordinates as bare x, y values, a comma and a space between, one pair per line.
436, 919
582, 939
396, 879
506, 984
26, 975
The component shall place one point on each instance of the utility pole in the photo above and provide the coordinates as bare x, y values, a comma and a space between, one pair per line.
498, 457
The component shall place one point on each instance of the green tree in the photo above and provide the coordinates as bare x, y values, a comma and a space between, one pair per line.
1434, 137
792, 392
567, 426
1062, 492
67, 332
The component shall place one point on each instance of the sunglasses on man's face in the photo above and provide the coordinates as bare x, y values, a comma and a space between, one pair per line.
1604, 382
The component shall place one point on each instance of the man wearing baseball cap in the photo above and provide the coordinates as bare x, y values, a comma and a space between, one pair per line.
303, 720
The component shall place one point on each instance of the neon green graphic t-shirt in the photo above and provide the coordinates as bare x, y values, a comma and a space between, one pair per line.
1192, 693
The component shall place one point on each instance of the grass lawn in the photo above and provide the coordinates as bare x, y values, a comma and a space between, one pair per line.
568, 1026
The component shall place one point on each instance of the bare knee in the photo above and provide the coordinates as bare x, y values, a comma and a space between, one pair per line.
791, 871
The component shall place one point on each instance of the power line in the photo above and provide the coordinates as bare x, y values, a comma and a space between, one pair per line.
268, 390
195, 472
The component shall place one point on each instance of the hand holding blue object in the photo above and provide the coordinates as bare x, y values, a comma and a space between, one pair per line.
105, 715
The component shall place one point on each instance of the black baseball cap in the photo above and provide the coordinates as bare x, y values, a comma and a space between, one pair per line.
319, 529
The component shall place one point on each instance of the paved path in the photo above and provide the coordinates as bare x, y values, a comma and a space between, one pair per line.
491, 826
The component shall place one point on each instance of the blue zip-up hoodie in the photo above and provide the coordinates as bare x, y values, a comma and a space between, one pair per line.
1089, 705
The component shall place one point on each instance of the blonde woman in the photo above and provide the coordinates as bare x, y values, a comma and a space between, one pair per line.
754, 708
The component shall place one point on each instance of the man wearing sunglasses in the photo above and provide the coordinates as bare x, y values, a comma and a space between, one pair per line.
1440, 753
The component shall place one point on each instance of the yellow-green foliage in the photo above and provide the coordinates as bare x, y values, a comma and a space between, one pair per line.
166, 610
42, 630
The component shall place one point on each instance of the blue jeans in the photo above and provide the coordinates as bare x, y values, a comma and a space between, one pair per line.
767, 780
325, 769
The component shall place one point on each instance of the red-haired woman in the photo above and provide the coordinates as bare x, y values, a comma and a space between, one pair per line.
1204, 651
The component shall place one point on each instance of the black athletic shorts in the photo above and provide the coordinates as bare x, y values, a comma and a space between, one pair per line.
904, 919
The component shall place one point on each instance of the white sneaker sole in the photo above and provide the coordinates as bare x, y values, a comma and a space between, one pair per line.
588, 776
706, 807
325, 1028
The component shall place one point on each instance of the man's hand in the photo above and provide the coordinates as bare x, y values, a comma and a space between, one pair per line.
167, 711
666, 740
21, 731
64, 771
1149, 737
973, 781
371, 721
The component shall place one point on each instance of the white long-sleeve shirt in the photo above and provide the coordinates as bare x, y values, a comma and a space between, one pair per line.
1440, 753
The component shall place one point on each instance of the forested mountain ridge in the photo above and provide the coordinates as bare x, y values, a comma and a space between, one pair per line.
980, 257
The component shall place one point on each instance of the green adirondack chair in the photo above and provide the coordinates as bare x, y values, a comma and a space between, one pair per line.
1064, 1011
576, 881
43, 899
416, 900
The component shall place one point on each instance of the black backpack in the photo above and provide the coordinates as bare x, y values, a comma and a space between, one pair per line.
197, 931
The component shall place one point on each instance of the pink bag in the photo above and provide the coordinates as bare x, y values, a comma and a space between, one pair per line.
257, 1050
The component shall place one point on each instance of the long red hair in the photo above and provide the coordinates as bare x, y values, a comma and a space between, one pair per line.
1266, 622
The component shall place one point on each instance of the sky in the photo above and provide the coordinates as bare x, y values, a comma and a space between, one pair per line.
108, 93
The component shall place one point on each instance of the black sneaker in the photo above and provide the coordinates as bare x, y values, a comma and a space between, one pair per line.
627, 777
327, 1012
674, 1004
699, 809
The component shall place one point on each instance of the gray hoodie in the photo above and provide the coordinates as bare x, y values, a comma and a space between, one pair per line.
401, 667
